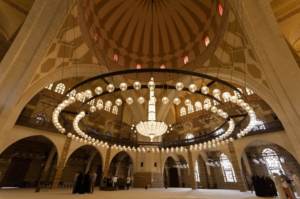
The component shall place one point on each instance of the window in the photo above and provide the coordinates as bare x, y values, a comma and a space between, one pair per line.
39, 119
238, 94
258, 125
108, 105
115, 110
49, 87
185, 59
207, 101
272, 161
190, 109
198, 106
218, 132
96, 37
207, 41
215, 102
82, 97
249, 92
60, 88
220, 10
162, 67
228, 172
138, 66
116, 58
197, 176
182, 111
91, 102
72, 93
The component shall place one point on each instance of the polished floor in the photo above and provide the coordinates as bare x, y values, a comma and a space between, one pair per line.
178, 193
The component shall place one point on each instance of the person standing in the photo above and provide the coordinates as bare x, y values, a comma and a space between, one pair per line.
77, 188
296, 181
92, 183
128, 182
75, 180
86, 183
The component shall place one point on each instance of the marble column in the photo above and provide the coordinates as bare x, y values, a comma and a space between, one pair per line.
192, 170
106, 167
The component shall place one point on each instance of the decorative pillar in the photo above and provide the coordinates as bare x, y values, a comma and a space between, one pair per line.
61, 163
106, 167
192, 170
241, 180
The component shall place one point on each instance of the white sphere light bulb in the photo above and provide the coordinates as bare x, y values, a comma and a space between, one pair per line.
176, 101
98, 90
188, 102
193, 88
129, 100
198, 104
141, 100
216, 92
118, 102
205, 90
78, 96
88, 93
110, 88
206, 107
165, 100
137, 85
151, 84
226, 96
108, 103
214, 109
99, 106
179, 86
93, 109
123, 86
233, 99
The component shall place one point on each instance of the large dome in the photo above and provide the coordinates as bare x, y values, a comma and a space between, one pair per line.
125, 28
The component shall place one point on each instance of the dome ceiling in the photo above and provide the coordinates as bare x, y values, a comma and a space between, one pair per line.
125, 28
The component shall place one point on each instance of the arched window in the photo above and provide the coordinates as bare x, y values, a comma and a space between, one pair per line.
207, 101
116, 58
49, 87
190, 109
198, 106
207, 41
115, 110
82, 97
272, 161
185, 59
60, 88
182, 111
228, 172
258, 125
162, 67
218, 132
197, 176
238, 94
249, 91
39, 119
138, 66
220, 10
91, 102
108, 106
72, 93
215, 102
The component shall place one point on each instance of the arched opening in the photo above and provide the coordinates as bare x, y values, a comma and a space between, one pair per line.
84, 159
171, 177
27, 162
203, 176
120, 172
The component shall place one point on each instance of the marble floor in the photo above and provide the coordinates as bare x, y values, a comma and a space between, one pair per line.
177, 193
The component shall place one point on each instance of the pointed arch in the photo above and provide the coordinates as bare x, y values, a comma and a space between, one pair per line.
115, 110
60, 88
182, 111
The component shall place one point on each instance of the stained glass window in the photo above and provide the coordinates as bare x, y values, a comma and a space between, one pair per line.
258, 125
228, 172
115, 110
49, 87
116, 57
182, 111
237, 93
220, 10
60, 88
249, 91
207, 41
138, 66
198, 106
215, 102
272, 161
207, 101
72, 93
185, 59
96, 37
162, 67
190, 109
197, 176
82, 97
91, 102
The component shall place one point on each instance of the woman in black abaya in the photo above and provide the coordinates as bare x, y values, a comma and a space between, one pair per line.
86, 183
77, 188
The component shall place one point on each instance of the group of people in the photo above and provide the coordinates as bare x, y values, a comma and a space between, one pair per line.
84, 184
269, 186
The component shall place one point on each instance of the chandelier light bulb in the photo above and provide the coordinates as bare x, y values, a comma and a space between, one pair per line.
100, 106
206, 107
193, 88
78, 96
71, 100
108, 104
233, 99
137, 85
98, 90
205, 90
219, 112
88, 93
129, 100
165, 100
179, 86
226, 96
93, 109
214, 109
216, 92
176, 101
123, 86
198, 104
188, 102
110, 88
224, 115
141, 100
151, 84
118, 102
